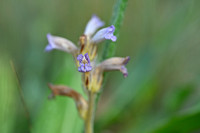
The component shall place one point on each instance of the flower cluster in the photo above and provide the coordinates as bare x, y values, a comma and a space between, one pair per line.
84, 62
85, 58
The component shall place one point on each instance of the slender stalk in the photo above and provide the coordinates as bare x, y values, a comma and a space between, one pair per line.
89, 123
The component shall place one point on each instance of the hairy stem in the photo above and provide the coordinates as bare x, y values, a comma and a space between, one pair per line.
89, 123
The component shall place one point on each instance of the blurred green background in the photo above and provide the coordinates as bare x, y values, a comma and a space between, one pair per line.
160, 95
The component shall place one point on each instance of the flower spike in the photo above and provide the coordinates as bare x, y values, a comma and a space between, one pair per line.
105, 33
85, 58
94, 24
60, 44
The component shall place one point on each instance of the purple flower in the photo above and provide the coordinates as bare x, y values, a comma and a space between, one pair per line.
84, 62
105, 33
60, 43
94, 24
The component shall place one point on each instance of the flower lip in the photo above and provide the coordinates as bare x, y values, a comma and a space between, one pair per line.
105, 33
123, 68
80, 57
127, 59
51, 44
48, 48
124, 71
109, 34
88, 67
112, 28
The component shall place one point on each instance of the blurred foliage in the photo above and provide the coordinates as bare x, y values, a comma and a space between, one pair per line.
8, 98
161, 93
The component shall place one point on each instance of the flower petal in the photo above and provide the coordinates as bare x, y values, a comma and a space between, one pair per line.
87, 57
79, 57
105, 33
82, 69
81, 64
48, 48
94, 24
88, 67
60, 43
124, 71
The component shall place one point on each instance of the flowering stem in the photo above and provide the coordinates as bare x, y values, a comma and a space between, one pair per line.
109, 48
89, 123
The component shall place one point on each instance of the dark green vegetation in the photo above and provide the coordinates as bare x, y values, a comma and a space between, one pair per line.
160, 95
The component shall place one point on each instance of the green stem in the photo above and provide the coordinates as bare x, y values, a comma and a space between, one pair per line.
117, 19
89, 123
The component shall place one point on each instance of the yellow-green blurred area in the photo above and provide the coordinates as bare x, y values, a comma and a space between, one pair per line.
160, 95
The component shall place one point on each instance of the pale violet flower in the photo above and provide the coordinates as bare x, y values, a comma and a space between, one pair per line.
94, 24
60, 43
114, 63
105, 33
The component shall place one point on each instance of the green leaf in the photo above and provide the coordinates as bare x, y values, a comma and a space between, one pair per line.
180, 124
177, 97
8, 98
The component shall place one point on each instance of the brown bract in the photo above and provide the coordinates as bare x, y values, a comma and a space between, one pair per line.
62, 90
